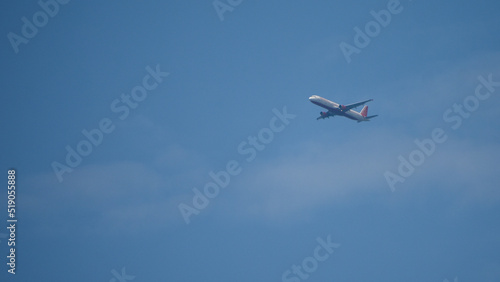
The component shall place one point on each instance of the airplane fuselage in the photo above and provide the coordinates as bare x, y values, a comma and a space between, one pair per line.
336, 109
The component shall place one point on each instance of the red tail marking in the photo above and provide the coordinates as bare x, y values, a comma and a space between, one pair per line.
364, 111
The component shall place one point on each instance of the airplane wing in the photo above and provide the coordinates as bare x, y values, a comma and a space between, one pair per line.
325, 115
355, 105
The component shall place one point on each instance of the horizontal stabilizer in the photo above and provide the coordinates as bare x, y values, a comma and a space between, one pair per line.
371, 116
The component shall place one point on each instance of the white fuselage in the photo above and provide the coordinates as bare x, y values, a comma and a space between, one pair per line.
334, 108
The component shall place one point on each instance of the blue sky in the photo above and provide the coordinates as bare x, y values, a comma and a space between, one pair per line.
117, 211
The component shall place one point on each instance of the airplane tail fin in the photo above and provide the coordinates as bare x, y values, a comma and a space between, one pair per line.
364, 111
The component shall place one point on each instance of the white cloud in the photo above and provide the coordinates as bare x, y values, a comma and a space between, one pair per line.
317, 174
320, 174
125, 194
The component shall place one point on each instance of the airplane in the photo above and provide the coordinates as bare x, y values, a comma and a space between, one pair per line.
335, 109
